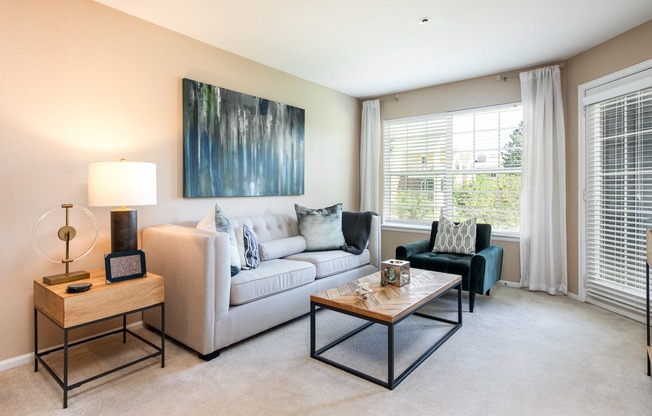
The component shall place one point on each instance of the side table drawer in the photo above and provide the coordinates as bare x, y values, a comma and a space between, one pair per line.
100, 301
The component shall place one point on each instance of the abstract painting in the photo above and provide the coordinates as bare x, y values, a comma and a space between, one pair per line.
236, 144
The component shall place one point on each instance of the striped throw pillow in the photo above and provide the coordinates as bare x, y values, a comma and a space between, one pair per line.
247, 247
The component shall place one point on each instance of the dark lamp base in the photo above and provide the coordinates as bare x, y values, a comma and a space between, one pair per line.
124, 230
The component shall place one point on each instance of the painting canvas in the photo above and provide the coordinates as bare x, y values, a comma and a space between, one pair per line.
236, 144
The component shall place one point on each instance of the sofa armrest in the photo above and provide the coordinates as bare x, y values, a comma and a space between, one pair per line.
486, 266
195, 266
409, 249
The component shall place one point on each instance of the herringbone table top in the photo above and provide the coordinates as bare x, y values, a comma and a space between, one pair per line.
388, 303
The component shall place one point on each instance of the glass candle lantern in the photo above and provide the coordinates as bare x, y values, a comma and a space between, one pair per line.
394, 272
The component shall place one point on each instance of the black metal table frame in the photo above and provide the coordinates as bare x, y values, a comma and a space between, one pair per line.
391, 382
64, 383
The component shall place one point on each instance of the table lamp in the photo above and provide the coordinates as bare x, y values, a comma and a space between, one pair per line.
122, 184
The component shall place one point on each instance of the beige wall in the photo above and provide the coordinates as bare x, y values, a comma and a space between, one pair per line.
81, 82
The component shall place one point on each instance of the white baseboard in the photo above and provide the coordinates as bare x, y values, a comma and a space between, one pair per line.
29, 358
16, 361
573, 296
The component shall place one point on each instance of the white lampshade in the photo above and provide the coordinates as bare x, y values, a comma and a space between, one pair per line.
121, 184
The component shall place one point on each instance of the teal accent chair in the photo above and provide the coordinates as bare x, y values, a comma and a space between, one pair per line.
479, 272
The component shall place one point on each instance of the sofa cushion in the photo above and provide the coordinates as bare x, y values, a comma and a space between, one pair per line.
322, 228
275, 249
270, 277
443, 262
328, 263
455, 238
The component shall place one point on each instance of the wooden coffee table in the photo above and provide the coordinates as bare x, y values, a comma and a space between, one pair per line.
387, 305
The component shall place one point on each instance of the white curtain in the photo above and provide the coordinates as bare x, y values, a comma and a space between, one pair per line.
543, 189
370, 156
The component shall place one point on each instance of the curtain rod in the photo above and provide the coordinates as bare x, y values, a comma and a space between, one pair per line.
394, 97
503, 77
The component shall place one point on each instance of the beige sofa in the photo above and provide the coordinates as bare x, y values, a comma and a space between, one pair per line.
207, 309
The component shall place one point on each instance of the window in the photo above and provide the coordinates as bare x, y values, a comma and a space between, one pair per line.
617, 202
463, 164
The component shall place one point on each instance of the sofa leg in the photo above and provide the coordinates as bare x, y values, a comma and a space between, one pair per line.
471, 301
210, 356
488, 290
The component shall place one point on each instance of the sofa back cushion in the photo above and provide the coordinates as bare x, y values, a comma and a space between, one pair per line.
276, 249
482, 237
269, 227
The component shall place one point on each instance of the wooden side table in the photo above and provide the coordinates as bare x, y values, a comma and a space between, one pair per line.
101, 302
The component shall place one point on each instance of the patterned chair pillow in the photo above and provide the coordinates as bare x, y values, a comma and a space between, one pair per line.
455, 238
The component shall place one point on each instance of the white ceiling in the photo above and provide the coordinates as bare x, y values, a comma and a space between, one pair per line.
367, 48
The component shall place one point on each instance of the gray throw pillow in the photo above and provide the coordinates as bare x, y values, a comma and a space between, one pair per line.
452, 238
322, 228
222, 224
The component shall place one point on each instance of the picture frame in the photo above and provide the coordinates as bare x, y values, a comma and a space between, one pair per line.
124, 265
240, 145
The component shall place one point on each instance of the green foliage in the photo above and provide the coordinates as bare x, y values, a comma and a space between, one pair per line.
493, 199
414, 206
513, 152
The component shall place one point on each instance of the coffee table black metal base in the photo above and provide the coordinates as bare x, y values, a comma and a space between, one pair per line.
392, 381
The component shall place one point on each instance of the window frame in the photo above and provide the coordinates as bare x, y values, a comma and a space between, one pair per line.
619, 83
419, 226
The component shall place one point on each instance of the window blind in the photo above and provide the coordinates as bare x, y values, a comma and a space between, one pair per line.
462, 164
618, 198
415, 168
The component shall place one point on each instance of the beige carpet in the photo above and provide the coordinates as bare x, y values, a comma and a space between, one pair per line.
520, 353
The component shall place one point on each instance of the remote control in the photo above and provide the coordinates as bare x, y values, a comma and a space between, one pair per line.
78, 287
